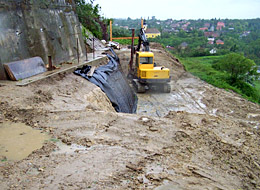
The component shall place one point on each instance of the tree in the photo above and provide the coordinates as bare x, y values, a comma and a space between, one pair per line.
90, 18
238, 67
234, 48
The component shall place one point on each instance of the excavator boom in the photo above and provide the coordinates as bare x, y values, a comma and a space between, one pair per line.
143, 40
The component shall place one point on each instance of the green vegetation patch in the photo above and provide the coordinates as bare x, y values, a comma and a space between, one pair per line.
54, 140
257, 86
202, 67
126, 41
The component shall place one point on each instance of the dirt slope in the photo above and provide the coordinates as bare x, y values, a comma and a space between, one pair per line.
196, 137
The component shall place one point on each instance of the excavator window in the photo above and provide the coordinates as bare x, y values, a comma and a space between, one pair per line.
146, 60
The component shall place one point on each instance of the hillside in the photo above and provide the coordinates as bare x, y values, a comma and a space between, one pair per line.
196, 137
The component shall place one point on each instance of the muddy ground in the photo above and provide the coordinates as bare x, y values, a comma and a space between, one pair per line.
196, 137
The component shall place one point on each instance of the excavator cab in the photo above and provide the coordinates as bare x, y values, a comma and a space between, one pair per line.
144, 60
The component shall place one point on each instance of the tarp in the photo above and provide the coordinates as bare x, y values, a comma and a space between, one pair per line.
113, 82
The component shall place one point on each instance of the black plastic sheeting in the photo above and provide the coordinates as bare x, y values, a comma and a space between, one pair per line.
113, 82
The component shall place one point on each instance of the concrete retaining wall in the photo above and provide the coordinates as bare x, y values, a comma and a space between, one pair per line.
43, 28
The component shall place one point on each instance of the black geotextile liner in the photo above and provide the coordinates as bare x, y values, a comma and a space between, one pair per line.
113, 82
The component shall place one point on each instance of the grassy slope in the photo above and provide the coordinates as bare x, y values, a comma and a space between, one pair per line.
126, 42
257, 86
202, 68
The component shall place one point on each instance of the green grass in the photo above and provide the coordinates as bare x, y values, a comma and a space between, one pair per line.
202, 68
257, 85
54, 140
4, 160
126, 42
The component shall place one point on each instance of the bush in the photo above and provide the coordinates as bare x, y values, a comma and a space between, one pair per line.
248, 90
238, 67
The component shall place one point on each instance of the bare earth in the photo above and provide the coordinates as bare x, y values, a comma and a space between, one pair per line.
196, 137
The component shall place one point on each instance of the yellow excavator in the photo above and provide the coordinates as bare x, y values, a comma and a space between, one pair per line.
146, 75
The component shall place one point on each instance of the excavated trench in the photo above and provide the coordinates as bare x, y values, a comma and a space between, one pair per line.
181, 97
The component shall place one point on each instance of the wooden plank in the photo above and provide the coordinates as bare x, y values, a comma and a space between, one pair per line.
48, 74
9, 72
92, 70
25, 68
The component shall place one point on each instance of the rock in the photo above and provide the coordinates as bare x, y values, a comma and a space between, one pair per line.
134, 167
154, 177
40, 169
153, 129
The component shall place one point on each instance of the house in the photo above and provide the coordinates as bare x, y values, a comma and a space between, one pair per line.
170, 47
215, 34
152, 33
203, 29
168, 21
208, 34
186, 24
167, 30
219, 42
125, 27
183, 45
245, 34
211, 40
175, 25
207, 25
184, 27
213, 51
211, 34
220, 25
212, 28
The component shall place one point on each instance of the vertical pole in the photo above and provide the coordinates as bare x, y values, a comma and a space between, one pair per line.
93, 48
50, 63
86, 47
3, 75
132, 52
111, 38
78, 49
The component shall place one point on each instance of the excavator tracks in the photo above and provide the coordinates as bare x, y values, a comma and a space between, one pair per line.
141, 88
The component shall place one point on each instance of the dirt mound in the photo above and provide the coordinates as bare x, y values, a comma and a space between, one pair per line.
97, 100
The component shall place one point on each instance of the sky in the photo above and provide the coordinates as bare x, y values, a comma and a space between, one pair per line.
180, 9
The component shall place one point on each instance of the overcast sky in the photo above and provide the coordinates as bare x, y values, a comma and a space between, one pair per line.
180, 9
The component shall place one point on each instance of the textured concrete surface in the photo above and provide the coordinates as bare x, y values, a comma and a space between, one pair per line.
30, 28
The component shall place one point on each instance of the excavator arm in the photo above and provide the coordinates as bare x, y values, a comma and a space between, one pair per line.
143, 40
